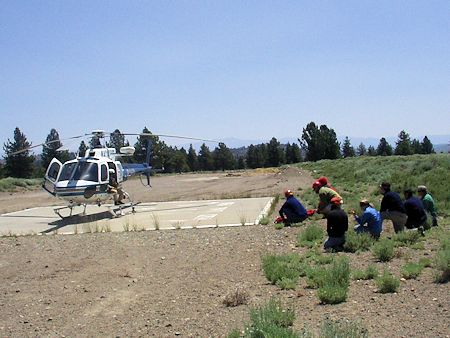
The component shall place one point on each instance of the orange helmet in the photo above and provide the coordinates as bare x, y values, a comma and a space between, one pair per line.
336, 201
323, 180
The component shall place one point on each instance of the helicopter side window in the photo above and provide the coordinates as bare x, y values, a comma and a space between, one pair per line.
67, 171
86, 171
104, 173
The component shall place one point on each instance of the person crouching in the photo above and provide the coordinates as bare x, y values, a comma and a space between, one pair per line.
337, 225
292, 210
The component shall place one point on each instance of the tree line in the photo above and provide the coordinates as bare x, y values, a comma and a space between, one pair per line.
316, 143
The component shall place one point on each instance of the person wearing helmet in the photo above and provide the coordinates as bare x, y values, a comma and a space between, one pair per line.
325, 195
292, 210
325, 183
115, 188
337, 225
371, 217
428, 203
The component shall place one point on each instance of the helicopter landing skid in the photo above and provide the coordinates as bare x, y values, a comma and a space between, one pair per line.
57, 211
118, 211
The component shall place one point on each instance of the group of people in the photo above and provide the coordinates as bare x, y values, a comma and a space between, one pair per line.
412, 213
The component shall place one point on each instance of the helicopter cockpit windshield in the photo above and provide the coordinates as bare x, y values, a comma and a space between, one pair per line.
79, 171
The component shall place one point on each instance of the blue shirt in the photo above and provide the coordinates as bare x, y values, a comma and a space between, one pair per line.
373, 219
293, 206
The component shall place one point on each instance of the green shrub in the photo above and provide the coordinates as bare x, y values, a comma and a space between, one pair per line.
357, 242
371, 272
342, 329
283, 266
310, 236
406, 238
265, 220
425, 262
12, 183
332, 294
387, 283
287, 283
411, 270
271, 320
442, 262
383, 250
315, 277
279, 226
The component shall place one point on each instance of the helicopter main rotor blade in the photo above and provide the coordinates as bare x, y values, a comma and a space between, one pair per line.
171, 136
47, 143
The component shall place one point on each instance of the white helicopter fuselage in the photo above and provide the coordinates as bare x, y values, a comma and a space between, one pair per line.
85, 180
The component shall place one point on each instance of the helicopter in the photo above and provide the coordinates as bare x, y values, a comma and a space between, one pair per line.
96, 176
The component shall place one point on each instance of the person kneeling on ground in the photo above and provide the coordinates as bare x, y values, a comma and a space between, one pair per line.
392, 207
428, 203
337, 225
292, 210
417, 216
370, 216
326, 194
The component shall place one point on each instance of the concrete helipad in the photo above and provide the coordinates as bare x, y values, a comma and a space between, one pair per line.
147, 216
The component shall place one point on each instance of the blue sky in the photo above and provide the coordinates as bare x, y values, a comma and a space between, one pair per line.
219, 69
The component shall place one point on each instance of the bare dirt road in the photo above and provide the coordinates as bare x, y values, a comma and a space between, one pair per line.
173, 283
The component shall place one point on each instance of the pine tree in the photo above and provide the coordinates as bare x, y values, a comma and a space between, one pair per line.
427, 146
403, 144
319, 143
384, 148
50, 149
275, 155
371, 151
117, 141
192, 159
223, 158
361, 151
329, 143
416, 147
241, 163
18, 165
347, 149
205, 159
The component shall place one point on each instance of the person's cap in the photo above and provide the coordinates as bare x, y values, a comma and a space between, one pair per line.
335, 201
316, 184
422, 188
385, 185
364, 201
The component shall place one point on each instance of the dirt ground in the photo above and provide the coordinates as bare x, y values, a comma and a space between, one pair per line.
173, 283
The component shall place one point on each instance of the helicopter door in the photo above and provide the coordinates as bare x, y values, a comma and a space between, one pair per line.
51, 175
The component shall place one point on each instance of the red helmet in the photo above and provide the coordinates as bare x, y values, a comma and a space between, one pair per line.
316, 184
288, 193
323, 180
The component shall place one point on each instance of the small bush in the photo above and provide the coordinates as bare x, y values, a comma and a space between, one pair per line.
357, 242
236, 298
411, 270
11, 183
332, 294
383, 250
425, 262
371, 272
309, 237
315, 277
342, 329
264, 221
442, 262
279, 226
406, 238
287, 283
283, 266
269, 315
387, 283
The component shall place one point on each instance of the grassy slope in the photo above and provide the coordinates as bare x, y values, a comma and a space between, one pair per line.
13, 184
359, 177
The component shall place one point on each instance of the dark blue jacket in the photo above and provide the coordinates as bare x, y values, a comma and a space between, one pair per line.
292, 206
392, 202
415, 211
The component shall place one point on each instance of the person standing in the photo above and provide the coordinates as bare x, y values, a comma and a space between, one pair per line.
292, 211
392, 207
417, 216
371, 217
337, 225
428, 203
